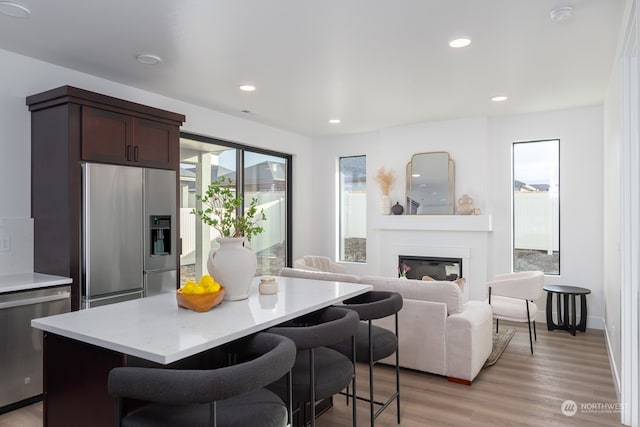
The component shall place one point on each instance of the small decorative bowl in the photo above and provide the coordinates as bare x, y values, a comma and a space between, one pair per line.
200, 302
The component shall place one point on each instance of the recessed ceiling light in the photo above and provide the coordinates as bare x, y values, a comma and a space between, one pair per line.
499, 98
148, 58
15, 10
561, 14
460, 42
334, 121
247, 88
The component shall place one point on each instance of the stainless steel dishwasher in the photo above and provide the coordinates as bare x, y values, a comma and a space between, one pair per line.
21, 348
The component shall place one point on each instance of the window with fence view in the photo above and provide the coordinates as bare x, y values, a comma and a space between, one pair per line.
536, 206
353, 209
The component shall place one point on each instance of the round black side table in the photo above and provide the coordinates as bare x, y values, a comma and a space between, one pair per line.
567, 309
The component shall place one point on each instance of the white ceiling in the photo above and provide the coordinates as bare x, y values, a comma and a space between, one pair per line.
372, 63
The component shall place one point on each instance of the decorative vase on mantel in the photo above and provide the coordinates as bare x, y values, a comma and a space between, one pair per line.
385, 204
234, 266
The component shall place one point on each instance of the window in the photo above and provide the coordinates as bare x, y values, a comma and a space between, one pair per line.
263, 175
536, 206
353, 209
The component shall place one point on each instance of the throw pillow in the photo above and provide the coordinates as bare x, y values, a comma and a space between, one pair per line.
460, 282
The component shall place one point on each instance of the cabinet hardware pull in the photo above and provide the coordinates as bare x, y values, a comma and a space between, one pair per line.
129, 148
136, 150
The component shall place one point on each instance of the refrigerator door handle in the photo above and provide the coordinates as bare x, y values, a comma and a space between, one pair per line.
36, 300
159, 270
124, 294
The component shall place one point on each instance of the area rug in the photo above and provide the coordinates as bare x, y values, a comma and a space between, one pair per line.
500, 342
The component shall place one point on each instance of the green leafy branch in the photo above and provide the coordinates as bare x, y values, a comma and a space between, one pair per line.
220, 211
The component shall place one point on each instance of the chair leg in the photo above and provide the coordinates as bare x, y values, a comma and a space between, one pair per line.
289, 398
312, 386
529, 323
212, 414
397, 370
535, 336
118, 414
371, 408
497, 320
354, 420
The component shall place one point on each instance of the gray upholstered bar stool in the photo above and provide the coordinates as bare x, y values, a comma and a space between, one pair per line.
374, 343
319, 372
228, 396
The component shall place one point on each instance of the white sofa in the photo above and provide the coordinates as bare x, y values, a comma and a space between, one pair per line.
438, 332
319, 263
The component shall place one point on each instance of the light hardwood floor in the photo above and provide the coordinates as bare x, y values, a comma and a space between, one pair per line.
519, 390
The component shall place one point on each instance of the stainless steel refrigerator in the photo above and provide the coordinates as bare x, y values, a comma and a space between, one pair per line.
129, 233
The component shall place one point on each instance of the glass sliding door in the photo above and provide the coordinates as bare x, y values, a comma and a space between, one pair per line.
264, 176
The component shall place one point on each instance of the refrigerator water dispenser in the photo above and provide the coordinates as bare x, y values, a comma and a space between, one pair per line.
160, 226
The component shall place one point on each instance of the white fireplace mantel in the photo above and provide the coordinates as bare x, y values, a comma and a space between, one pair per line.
433, 222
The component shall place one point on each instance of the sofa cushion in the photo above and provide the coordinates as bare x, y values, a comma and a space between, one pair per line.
444, 292
319, 263
460, 282
318, 275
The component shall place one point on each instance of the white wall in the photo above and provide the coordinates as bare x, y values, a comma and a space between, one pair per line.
481, 148
611, 222
23, 76
581, 193
324, 189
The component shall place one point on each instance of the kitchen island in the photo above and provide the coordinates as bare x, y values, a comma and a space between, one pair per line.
81, 347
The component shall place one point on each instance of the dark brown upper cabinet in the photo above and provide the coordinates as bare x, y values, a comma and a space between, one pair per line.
111, 137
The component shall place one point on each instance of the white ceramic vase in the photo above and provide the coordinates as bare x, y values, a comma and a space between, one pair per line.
233, 266
385, 204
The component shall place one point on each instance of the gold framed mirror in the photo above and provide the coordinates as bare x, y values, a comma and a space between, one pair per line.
430, 184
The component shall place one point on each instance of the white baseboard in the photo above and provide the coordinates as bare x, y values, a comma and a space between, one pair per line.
615, 372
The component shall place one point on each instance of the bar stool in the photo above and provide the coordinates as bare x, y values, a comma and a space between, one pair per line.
228, 396
374, 343
319, 372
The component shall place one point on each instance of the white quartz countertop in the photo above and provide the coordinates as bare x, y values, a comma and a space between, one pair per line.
27, 281
156, 329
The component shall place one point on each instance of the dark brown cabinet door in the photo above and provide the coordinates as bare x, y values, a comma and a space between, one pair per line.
153, 143
110, 137
106, 136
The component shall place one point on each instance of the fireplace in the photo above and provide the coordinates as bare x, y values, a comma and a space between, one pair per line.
437, 268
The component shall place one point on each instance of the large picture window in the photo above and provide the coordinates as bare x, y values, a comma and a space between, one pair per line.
536, 206
255, 174
353, 209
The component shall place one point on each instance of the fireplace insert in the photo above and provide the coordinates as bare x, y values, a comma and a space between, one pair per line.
435, 267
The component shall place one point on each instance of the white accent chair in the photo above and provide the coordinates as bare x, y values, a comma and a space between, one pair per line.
319, 263
512, 297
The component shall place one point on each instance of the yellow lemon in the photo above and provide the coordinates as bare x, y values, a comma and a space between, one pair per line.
213, 287
188, 288
206, 280
198, 289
